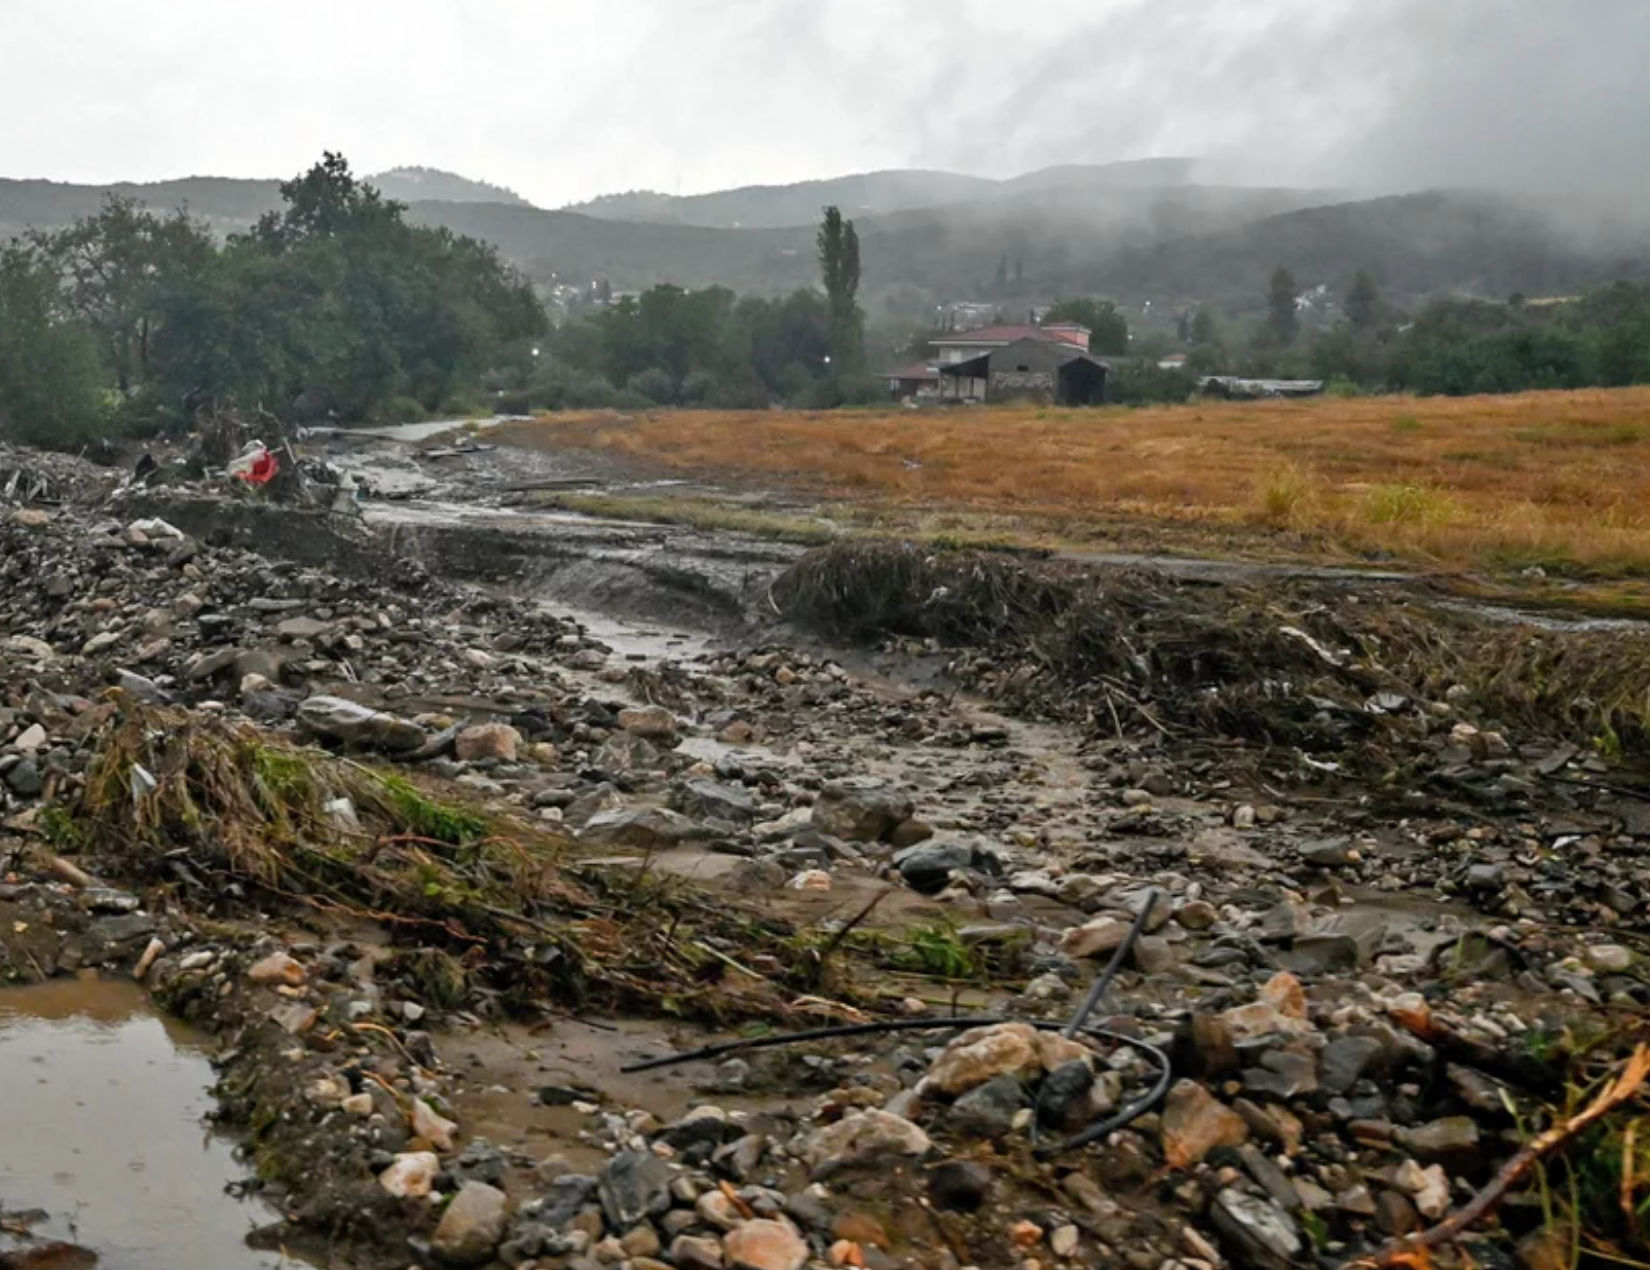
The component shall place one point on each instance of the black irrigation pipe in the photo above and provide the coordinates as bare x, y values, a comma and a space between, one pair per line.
1076, 1027
1096, 994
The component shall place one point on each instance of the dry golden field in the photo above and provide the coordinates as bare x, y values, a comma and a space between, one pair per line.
1555, 478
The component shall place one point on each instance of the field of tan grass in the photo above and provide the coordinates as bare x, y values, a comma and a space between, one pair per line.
1556, 478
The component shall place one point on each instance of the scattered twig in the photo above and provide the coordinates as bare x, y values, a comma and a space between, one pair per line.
847, 927
726, 960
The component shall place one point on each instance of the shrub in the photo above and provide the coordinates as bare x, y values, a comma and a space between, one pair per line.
1288, 497
461, 407
1410, 506
653, 385
402, 410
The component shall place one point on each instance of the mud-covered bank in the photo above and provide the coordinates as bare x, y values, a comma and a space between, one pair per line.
433, 864
629, 571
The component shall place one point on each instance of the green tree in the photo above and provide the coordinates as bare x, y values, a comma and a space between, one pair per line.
1108, 329
327, 202
50, 385
340, 307
1362, 302
1282, 319
1204, 331
839, 272
115, 270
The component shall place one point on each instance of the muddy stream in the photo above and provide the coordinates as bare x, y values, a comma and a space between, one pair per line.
105, 1144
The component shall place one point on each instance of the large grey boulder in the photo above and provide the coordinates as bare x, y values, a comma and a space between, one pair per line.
860, 809
358, 726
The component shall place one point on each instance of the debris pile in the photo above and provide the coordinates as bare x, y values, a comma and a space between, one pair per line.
1365, 676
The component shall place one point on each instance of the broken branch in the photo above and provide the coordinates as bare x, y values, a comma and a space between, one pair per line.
1627, 1084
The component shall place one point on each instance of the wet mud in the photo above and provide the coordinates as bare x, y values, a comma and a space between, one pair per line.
104, 1110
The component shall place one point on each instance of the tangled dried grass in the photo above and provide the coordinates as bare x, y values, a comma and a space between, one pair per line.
480, 905
1292, 662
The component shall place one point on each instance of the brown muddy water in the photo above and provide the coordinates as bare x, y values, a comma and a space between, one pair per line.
102, 1128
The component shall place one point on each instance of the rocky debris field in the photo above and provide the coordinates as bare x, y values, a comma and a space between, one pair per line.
1374, 940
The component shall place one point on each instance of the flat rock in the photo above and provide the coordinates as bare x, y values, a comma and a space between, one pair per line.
1452, 1137
653, 723
1281, 1008
929, 866
358, 726
487, 741
1195, 1122
635, 1185
694, 1252
278, 967
309, 628
1102, 935
988, 1110
472, 1226
1262, 1234
713, 800
643, 828
1344, 1061
624, 753
865, 1137
984, 1054
765, 1245
860, 809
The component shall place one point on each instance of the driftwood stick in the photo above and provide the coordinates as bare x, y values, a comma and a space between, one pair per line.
1403, 1252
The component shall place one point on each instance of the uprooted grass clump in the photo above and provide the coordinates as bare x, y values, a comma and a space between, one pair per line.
1295, 663
484, 909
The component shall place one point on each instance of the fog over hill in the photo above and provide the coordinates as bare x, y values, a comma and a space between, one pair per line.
1167, 231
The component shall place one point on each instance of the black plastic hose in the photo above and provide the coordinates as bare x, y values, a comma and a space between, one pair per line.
1076, 1027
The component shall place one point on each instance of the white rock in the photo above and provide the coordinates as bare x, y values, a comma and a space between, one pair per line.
412, 1175
864, 1138
434, 1129
1428, 1187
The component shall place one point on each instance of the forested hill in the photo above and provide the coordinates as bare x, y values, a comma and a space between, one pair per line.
1130, 232
874, 194
1414, 245
225, 203
419, 185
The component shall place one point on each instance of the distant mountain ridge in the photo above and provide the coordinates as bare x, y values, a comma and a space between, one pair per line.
427, 185
1139, 233
868, 194
227, 204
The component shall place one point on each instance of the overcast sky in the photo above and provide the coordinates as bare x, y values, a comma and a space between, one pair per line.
564, 99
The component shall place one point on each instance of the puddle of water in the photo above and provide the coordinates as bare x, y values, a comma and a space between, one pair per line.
638, 642
414, 432
444, 513
102, 1106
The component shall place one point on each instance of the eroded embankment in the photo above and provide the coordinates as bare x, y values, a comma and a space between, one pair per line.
626, 570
